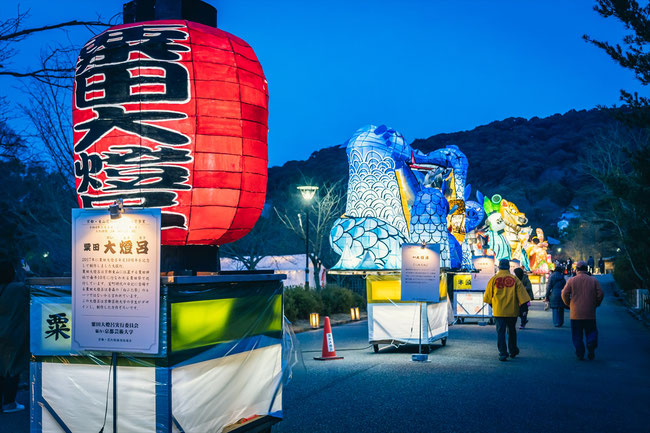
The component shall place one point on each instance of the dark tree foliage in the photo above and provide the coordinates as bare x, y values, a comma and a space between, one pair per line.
532, 163
10, 142
535, 163
633, 53
621, 161
36, 200
35, 208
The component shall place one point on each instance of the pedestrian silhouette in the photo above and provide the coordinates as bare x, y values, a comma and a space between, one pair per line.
554, 296
583, 295
505, 294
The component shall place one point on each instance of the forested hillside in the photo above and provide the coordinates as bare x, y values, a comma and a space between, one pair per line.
533, 163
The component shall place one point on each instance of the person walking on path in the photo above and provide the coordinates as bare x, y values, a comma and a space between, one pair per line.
523, 309
590, 263
505, 294
554, 296
14, 341
583, 295
601, 266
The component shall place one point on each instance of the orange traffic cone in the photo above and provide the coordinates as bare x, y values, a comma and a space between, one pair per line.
329, 353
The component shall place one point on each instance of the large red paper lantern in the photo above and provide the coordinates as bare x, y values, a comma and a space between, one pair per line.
173, 114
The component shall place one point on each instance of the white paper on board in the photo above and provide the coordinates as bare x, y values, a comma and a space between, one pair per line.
115, 281
420, 272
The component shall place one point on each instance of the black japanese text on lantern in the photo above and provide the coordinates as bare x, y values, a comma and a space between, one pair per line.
132, 80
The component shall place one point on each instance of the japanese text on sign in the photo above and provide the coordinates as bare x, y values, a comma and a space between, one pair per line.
485, 267
116, 283
420, 272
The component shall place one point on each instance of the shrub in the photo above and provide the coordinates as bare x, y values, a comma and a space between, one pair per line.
299, 303
340, 300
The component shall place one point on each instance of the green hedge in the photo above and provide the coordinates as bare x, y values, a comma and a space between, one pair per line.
299, 303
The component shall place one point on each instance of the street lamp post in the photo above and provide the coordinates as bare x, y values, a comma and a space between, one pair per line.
308, 193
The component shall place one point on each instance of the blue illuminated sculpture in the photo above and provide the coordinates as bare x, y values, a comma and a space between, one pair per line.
370, 233
366, 243
429, 211
396, 195
373, 156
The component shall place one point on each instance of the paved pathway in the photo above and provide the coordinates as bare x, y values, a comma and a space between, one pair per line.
465, 388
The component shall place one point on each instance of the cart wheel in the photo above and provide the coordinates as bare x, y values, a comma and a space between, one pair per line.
375, 347
443, 341
491, 322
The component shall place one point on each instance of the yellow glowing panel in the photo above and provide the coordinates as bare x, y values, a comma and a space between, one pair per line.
199, 323
443, 286
385, 289
462, 282
388, 288
451, 187
534, 279
403, 191
202, 323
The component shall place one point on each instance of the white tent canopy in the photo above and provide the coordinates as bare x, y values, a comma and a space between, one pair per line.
292, 265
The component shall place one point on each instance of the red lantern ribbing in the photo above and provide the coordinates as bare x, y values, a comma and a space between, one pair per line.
173, 114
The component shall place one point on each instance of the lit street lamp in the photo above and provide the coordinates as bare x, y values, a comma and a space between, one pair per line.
308, 193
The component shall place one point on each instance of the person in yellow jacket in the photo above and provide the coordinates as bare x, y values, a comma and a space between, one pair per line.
505, 293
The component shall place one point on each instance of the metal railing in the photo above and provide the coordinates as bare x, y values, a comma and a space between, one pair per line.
645, 303
638, 300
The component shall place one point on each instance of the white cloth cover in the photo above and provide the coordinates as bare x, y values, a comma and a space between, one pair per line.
206, 396
210, 395
77, 393
400, 322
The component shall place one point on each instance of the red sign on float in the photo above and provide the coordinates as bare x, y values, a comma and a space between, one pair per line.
173, 115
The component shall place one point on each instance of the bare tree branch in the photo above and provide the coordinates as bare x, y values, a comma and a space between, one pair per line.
253, 247
324, 209
12, 32
19, 35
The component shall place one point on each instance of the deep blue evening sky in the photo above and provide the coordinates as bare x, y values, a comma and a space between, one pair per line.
423, 67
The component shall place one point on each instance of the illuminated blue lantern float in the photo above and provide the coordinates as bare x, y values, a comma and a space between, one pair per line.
370, 233
397, 194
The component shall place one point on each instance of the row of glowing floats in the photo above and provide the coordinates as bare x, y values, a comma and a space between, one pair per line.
314, 319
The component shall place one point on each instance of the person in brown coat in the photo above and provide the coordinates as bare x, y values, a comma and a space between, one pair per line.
583, 295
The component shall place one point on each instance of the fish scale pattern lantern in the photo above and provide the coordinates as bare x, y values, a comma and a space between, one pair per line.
174, 115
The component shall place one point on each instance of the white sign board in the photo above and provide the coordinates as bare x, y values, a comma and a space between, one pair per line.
115, 280
485, 266
420, 272
471, 304
514, 264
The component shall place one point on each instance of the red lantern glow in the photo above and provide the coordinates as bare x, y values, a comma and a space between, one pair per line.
173, 114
